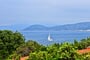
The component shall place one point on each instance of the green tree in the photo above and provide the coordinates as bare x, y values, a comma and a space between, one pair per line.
9, 41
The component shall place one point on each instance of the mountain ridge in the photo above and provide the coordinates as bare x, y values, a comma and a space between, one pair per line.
76, 26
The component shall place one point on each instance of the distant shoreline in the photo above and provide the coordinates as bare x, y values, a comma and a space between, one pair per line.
58, 31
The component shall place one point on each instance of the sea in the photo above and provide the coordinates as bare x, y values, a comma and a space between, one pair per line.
57, 36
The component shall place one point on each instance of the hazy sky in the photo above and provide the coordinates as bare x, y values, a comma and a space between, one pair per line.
46, 12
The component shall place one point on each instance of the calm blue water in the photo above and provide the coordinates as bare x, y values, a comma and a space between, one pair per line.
57, 36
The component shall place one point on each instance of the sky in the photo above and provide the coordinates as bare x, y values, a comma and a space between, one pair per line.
45, 12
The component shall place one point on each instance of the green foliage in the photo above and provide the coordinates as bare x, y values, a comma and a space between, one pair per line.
14, 56
86, 56
23, 50
34, 46
28, 47
9, 41
84, 43
65, 52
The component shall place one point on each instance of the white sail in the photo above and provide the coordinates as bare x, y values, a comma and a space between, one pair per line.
49, 38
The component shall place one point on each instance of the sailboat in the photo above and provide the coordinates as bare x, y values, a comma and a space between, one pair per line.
49, 38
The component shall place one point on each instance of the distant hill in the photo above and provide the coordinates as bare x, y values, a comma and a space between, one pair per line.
77, 26
36, 27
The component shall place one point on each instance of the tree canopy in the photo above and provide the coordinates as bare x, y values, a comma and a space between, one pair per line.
9, 41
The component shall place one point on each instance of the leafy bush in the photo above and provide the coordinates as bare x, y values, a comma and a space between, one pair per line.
65, 52
9, 41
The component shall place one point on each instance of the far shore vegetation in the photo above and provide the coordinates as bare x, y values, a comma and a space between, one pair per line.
13, 46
